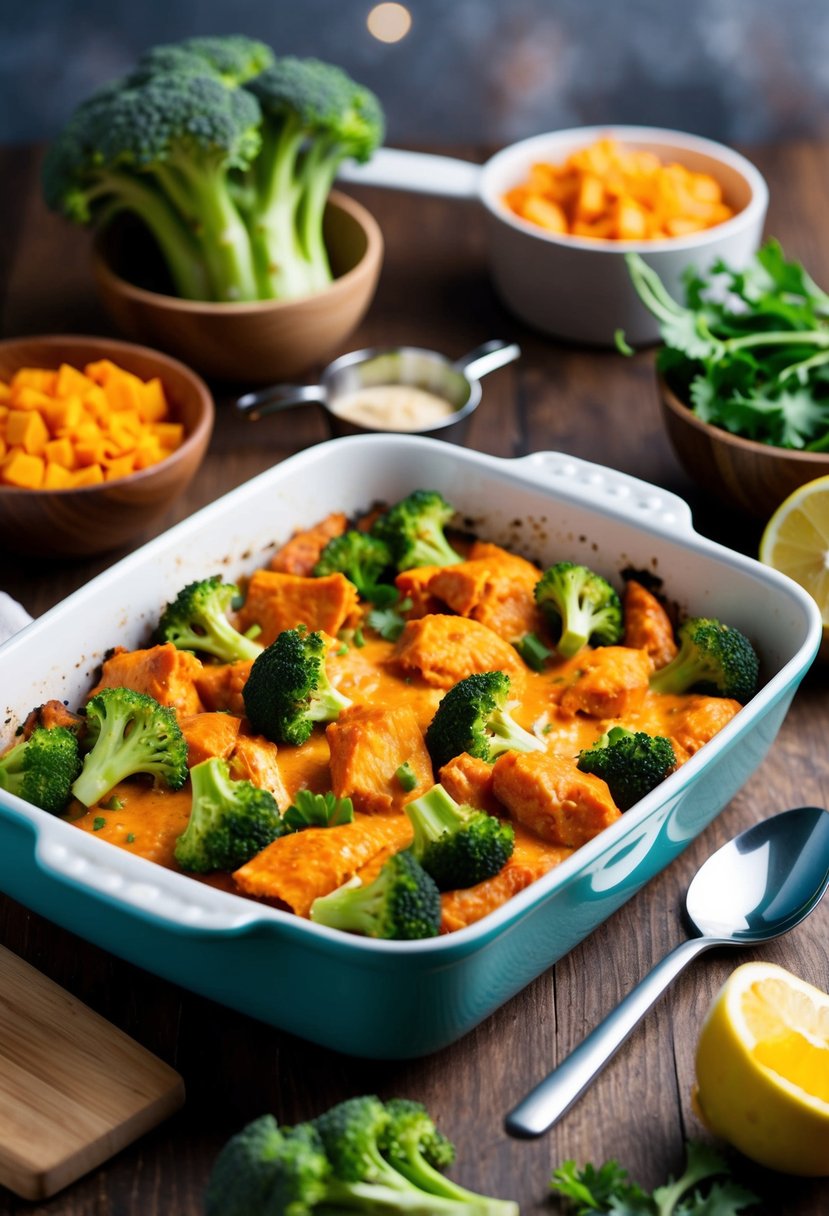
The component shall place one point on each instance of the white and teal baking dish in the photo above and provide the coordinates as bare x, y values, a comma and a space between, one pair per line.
393, 999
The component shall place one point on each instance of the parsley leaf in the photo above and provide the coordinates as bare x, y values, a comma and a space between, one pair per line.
317, 811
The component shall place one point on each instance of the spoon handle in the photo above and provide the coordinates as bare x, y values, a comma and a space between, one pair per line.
553, 1096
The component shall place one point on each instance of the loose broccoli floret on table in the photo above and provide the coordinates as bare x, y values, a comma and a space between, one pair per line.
579, 606
402, 903
288, 689
413, 529
458, 845
713, 658
632, 763
473, 717
415, 1147
344, 1161
130, 733
41, 769
363, 559
230, 821
197, 620
314, 116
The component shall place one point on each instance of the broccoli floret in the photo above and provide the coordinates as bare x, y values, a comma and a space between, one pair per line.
41, 769
362, 558
459, 846
265, 1170
342, 1162
579, 606
233, 58
230, 821
197, 620
314, 117
632, 763
164, 147
288, 689
473, 717
130, 733
402, 903
713, 658
413, 529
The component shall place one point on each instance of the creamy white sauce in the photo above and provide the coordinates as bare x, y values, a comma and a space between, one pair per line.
392, 407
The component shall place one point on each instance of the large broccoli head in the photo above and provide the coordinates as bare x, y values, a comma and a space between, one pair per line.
458, 845
41, 769
579, 606
230, 821
288, 689
632, 763
713, 658
402, 903
233, 58
473, 717
413, 529
197, 620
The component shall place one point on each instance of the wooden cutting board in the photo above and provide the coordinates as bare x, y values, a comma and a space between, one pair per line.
73, 1088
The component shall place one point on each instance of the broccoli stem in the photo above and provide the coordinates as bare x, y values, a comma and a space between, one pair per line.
176, 242
279, 259
437, 815
318, 172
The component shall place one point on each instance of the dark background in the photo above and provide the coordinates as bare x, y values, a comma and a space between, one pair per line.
470, 71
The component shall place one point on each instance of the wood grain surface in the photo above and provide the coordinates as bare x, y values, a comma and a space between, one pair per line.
434, 292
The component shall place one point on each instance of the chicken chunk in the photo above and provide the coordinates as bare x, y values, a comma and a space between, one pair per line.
301, 553
698, 718
414, 585
549, 795
493, 587
50, 715
255, 759
444, 649
276, 602
531, 859
468, 780
220, 686
647, 624
368, 744
610, 682
209, 734
162, 672
295, 870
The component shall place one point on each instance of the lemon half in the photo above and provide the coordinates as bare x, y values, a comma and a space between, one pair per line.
762, 1069
796, 540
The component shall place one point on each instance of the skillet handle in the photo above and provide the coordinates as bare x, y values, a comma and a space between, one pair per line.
421, 172
617, 492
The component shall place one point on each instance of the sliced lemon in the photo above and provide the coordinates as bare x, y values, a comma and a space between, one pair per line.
796, 540
762, 1067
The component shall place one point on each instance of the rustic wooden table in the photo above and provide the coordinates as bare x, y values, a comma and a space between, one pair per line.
434, 292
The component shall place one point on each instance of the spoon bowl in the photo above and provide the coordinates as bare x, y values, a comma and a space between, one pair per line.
755, 888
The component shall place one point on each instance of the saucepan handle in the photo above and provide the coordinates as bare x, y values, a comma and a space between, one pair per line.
421, 172
278, 397
488, 358
598, 485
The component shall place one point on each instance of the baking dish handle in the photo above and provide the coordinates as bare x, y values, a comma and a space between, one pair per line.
127, 886
596, 485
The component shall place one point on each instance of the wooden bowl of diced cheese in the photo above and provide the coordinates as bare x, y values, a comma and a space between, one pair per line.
97, 438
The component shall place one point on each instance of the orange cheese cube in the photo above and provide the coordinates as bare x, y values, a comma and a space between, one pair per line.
57, 477
101, 370
96, 404
25, 397
5, 391
63, 416
70, 381
27, 429
61, 452
24, 470
124, 391
153, 404
40, 378
118, 466
169, 434
92, 475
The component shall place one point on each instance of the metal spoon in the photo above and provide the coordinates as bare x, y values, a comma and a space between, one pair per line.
759, 885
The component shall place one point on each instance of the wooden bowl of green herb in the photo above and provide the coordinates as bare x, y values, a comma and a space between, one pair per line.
743, 377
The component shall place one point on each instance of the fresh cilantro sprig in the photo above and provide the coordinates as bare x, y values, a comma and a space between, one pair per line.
749, 349
317, 811
609, 1190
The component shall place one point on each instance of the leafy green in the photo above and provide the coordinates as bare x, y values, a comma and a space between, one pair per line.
387, 621
749, 349
317, 811
609, 1189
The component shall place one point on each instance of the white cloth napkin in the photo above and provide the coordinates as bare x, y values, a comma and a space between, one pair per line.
13, 616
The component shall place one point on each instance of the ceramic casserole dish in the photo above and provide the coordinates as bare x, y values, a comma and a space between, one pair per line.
393, 999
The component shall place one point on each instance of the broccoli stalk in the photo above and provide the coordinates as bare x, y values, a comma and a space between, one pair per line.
713, 658
417, 1150
164, 146
314, 117
402, 903
413, 529
197, 620
473, 717
336, 1164
362, 558
632, 763
230, 821
41, 769
288, 689
579, 606
459, 846
131, 733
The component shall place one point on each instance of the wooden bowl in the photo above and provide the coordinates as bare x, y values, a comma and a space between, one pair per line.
94, 519
753, 476
258, 342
